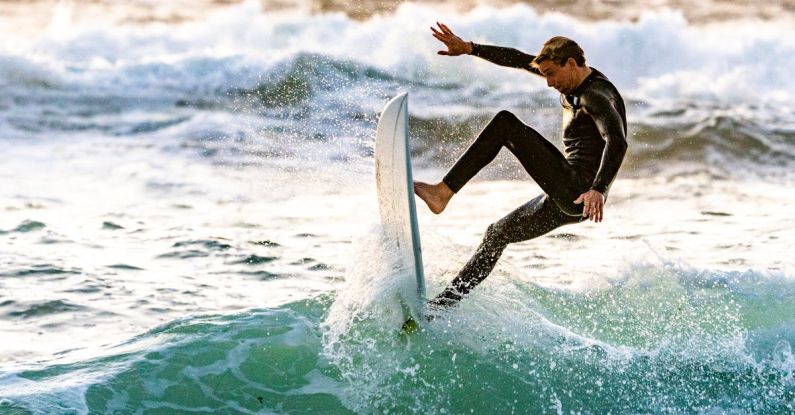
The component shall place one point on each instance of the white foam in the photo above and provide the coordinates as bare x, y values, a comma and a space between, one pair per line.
659, 56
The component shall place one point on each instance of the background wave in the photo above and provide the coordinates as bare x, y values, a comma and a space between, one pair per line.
714, 94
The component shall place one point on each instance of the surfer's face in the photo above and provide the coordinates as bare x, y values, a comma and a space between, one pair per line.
561, 77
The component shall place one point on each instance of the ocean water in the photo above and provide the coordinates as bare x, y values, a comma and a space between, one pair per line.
189, 220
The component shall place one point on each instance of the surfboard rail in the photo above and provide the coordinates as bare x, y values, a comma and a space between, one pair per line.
395, 188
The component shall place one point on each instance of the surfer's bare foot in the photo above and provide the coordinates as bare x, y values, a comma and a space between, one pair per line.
435, 196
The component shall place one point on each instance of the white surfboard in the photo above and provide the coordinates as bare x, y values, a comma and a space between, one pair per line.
396, 189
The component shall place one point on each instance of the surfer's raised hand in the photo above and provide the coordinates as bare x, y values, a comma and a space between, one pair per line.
455, 45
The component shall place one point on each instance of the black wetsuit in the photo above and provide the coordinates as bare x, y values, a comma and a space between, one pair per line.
594, 140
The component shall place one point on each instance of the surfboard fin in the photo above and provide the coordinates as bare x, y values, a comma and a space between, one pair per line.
410, 326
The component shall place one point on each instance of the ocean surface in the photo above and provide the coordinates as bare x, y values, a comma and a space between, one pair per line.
189, 220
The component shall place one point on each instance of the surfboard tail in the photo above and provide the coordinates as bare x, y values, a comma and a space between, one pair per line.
395, 185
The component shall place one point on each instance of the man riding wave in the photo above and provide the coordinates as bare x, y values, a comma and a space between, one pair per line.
575, 185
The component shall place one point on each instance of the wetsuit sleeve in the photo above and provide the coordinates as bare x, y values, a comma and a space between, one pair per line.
600, 104
509, 57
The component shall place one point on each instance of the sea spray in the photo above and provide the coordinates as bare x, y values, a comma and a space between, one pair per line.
659, 337
361, 331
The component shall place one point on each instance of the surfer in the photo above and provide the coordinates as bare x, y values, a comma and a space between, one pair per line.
575, 185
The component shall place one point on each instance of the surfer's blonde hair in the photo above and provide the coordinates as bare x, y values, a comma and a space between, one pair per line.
559, 49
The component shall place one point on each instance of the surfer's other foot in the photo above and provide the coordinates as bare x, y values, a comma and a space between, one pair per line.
435, 196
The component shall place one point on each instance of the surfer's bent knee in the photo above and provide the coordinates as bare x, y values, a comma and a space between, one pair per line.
505, 116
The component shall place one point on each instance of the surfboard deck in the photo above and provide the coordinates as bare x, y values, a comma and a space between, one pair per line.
395, 188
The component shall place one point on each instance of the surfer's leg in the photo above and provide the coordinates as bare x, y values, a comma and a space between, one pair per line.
540, 158
533, 219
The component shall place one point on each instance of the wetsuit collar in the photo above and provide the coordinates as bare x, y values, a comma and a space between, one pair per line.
574, 98
585, 82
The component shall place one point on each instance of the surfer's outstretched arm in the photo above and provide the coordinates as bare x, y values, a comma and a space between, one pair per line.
509, 57
498, 55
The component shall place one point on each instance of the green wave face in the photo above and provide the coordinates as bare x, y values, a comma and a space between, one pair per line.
659, 342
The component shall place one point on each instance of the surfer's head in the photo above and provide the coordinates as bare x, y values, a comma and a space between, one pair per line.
562, 62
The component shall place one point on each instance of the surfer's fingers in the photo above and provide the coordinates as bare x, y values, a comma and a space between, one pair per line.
442, 38
598, 211
447, 29
440, 31
443, 52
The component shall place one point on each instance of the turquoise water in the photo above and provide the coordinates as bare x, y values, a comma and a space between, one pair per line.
667, 342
